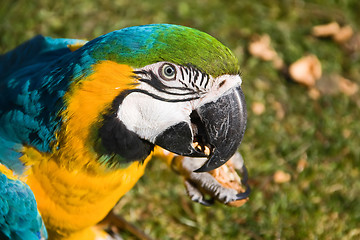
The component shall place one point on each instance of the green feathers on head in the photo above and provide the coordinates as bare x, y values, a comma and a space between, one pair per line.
143, 45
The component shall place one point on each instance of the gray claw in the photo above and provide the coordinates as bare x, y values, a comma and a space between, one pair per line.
244, 180
199, 185
237, 161
196, 196
245, 175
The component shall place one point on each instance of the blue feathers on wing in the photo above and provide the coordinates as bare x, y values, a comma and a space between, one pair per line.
33, 79
19, 218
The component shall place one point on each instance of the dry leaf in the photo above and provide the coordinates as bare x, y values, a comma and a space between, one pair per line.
258, 108
314, 93
339, 34
353, 45
326, 30
348, 87
306, 70
281, 177
301, 165
261, 48
343, 35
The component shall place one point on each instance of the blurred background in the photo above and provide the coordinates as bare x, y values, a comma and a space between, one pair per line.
300, 64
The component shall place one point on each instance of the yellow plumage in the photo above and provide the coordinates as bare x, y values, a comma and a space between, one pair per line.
73, 190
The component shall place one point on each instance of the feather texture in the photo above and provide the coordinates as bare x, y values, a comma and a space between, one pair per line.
19, 218
31, 96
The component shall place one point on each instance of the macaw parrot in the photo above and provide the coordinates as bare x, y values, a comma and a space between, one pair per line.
80, 120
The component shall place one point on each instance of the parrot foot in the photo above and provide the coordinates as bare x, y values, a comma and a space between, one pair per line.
118, 223
222, 184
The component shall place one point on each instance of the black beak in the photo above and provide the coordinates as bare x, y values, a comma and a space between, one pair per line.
218, 126
225, 124
178, 139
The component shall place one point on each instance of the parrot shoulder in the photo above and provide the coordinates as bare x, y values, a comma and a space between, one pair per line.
27, 114
36, 50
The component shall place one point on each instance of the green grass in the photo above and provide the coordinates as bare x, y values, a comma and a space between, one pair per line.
320, 202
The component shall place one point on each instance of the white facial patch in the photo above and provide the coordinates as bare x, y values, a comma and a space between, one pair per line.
148, 117
158, 103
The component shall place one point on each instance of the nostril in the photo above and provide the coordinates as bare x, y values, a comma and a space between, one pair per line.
222, 83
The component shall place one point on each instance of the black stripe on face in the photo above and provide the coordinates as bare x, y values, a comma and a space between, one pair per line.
163, 99
207, 81
155, 82
187, 76
190, 80
186, 70
202, 79
182, 73
196, 76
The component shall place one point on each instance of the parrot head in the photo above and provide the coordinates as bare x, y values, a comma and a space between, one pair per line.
186, 95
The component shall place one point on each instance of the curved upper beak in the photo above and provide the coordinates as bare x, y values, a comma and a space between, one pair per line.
218, 126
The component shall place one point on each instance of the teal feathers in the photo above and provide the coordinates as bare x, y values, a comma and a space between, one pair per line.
19, 218
33, 79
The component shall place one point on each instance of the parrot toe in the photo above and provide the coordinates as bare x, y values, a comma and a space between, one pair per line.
223, 184
195, 194
244, 195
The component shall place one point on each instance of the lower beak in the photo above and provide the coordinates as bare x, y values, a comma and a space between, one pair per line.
218, 126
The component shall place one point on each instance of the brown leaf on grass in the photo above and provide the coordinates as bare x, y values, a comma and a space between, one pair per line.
353, 45
333, 84
281, 177
306, 70
314, 93
343, 35
347, 87
326, 30
339, 34
258, 108
301, 165
260, 47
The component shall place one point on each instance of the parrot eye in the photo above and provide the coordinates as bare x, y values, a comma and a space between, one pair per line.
167, 72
